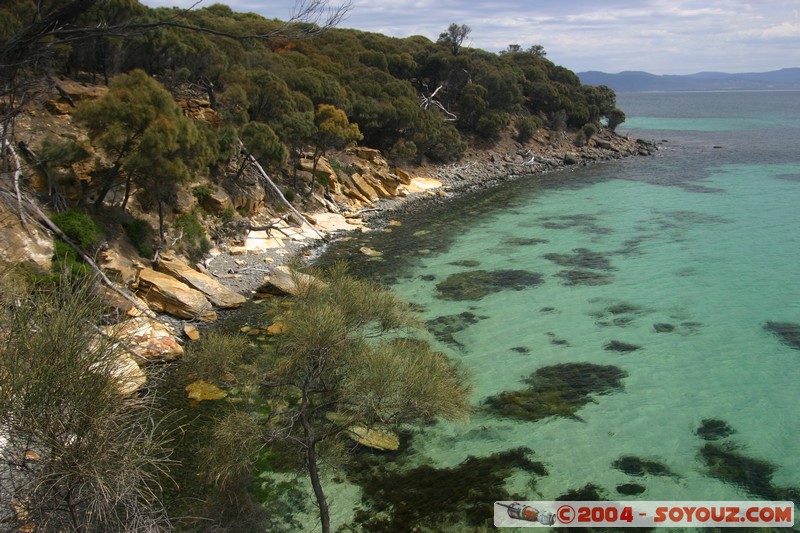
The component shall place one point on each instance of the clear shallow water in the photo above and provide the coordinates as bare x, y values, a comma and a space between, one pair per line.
702, 237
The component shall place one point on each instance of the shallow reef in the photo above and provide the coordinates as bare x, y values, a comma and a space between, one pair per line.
787, 332
557, 390
445, 327
427, 498
581, 258
475, 284
727, 463
636, 466
584, 277
713, 429
524, 241
588, 493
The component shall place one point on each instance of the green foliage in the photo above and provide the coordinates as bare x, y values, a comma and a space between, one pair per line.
80, 228
82, 231
615, 117
140, 234
61, 399
584, 134
195, 241
203, 192
263, 143
527, 128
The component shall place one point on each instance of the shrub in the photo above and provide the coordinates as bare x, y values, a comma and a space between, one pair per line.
527, 127
195, 242
140, 234
80, 228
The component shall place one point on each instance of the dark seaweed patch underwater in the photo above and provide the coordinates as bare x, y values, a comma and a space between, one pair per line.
557, 390
428, 498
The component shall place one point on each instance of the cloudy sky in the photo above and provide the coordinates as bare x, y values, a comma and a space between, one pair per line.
658, 36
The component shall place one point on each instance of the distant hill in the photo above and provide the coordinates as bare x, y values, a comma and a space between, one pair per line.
636, 81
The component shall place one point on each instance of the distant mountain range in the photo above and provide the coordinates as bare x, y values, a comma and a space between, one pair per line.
635, 81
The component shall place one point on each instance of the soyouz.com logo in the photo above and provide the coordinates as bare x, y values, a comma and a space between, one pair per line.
644, 514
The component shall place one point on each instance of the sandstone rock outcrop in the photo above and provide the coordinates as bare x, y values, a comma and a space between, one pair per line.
217, 293
168, 295
33, 250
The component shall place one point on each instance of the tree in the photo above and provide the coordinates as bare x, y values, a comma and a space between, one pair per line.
296, 130
615, 117
164, 159
134, 108
76, 453
349, 358
454, 36
537, 50
333, 130
263, 144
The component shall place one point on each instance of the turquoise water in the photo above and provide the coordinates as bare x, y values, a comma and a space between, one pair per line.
702, 237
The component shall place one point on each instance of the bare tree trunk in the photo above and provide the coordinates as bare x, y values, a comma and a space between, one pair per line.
311, 461
278, 190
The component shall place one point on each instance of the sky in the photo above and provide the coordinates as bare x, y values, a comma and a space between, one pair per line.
657, 36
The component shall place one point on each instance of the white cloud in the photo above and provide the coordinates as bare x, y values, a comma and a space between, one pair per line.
661, 36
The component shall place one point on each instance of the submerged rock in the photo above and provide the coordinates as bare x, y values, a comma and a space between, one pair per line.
558, 390
469, 263
636, 466
788, 332
376, 438
619, 346
663, 327
713, 429
630, 489
475, 284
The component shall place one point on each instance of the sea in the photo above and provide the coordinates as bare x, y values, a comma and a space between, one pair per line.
671, 283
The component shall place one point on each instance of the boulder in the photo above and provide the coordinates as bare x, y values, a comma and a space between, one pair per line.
323, 167
166, 294
153, 340
364, 187
117, 266
129, 375
216, 292
285, 280
375, 438
405, 177
217, 202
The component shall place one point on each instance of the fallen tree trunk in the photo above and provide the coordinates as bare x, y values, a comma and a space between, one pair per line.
88, 260
277, 189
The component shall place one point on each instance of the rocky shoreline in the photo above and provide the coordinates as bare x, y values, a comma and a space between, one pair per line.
479, 170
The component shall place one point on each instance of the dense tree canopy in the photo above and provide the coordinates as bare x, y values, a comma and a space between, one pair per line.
378, 81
